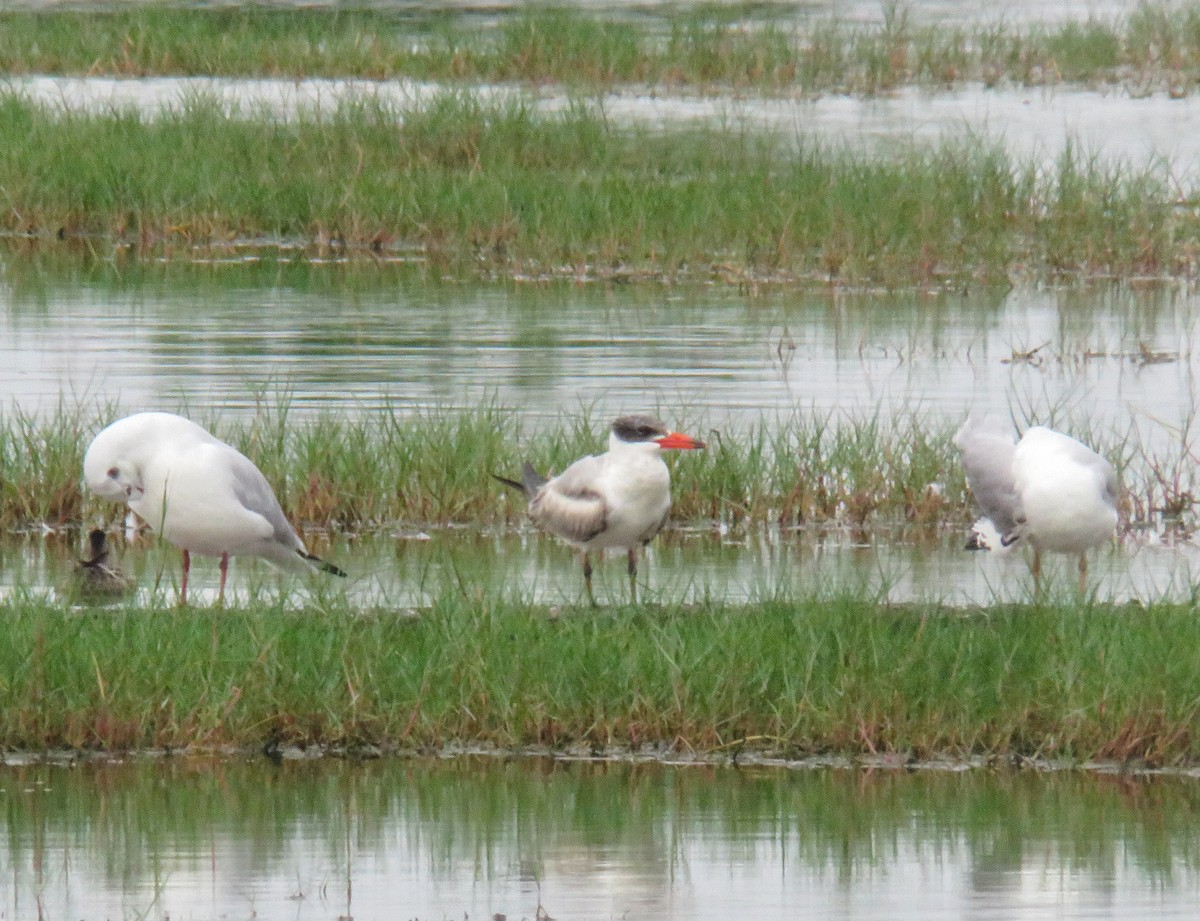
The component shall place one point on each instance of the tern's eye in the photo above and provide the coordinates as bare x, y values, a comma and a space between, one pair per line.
112, 472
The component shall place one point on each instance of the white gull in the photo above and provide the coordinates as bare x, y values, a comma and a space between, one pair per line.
199, 493
1048, 489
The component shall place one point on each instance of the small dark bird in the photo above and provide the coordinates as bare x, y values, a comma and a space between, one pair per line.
99, 578
616, 499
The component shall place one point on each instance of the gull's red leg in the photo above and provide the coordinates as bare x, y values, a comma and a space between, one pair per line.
224, 572
187, 564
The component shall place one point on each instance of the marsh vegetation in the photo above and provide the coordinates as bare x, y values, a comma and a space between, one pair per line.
493, 189
487, 189
1155, 47
798, 676
434, 469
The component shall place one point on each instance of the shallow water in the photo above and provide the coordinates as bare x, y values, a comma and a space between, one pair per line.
1130, 125
410, 570
530, 838
479, 837
221, 339
948, 12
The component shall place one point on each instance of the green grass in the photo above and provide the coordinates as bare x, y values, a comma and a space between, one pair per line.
389, 468
484, 188
434, 468
834, 674
1154, 47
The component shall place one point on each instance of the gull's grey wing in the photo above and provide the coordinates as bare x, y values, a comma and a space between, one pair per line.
987, 450
254, 492
1105, 473
1079, 453
569, 505
1111, 486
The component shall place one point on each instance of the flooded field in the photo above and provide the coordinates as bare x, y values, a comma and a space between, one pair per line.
226, 340
1031, 123
223, 335
526, 838
222, 339
410, 569
946, 11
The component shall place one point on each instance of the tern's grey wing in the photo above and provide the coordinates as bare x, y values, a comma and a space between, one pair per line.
570, 505
651, 531
531, 479
987, 450
581, 476
254, 492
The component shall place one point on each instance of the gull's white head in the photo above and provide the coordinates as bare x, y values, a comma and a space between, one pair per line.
109, 469
113, 466
116, 479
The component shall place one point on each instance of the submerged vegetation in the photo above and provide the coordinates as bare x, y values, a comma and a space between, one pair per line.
1155, 46
485, 188
385, 469
799, 677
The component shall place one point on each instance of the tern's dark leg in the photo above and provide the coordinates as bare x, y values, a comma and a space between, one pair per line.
1083, 573
632, 554
587, 578
224, 573
187, 564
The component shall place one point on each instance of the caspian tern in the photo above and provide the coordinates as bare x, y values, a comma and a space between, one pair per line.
617, 499
1048, 489
198, 492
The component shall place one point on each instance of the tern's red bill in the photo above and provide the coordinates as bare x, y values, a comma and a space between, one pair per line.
679, 441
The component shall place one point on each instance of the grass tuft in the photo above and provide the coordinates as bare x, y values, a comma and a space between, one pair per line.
798, 677
482, 187
747, 46
392, 468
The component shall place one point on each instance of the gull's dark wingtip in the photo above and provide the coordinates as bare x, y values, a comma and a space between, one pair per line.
322, 565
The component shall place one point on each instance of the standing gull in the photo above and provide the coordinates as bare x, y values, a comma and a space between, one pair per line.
1047, 489
616, 499
199, 493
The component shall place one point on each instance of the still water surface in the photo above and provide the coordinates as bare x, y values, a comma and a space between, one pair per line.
219, 339
529, 838
411, 569
480, 837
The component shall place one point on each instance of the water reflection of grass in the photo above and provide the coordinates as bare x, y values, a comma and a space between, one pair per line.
390, 469
571, 820
1153, 47
836, 673
485, 187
